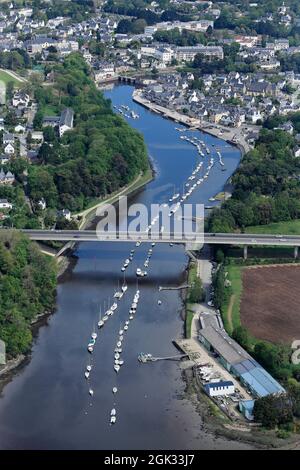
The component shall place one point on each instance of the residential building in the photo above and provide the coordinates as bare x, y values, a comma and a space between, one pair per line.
66, 121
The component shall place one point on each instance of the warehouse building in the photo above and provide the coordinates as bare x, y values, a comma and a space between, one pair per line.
238, 362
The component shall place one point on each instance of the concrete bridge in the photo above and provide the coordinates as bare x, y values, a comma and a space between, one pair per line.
238, 239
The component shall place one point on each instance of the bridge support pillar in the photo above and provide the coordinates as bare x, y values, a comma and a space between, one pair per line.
245, 252
296, 252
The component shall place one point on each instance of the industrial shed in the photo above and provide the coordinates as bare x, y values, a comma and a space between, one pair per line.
256, 379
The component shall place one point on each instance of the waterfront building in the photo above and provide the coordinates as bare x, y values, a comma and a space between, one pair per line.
238, 362
219, 389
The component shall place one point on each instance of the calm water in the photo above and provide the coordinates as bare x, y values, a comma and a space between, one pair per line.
47, 405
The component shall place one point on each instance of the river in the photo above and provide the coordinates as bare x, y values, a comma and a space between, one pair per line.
46, 404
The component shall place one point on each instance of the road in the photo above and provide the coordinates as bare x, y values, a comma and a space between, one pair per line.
209, 238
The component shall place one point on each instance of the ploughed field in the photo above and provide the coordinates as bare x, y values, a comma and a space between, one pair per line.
270, 302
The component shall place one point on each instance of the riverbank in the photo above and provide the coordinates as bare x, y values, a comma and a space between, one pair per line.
232, 136
86, 217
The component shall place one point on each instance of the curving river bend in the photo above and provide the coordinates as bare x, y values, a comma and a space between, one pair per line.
46, 405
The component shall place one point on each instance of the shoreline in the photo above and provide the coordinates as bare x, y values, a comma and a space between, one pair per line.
192, 123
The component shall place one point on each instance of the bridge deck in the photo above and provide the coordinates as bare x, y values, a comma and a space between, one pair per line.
208, 238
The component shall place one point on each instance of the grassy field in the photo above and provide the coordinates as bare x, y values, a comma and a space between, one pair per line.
5, 77
291, 227
49, 110
231, 310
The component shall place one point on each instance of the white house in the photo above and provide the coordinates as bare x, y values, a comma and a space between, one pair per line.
66, 121
219, 389
20, 129
4, 204
297, 152
9, 149
65, 213
42, 204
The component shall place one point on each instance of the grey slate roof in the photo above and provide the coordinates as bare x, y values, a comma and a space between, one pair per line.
66, 117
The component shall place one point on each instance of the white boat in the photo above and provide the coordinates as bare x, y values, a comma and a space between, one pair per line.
124, 288
138, 272
119, 344
114, 306
114, 390
126, 327
91, 391
121, 337
121, 362
100, 323
105, 318
117, 295
134, 305
123, 269
127, 322
138, 243
117, 355
86, 374
131, 317
89, 367
117, 367
90, 349
121, 332
113, 419
94, 335
159, 302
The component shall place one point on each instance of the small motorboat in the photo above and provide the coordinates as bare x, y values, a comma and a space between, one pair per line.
121, 337
114, 306
90, 349
94, 335
114, 390
131, 317
117, 367
91, 392
117, 355
89, 367
126, 327
113, 419
119, 344
124, 288
86, 374
159, 302
121, 362
121, 332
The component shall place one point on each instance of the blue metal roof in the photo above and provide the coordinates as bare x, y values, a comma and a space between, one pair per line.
257, 378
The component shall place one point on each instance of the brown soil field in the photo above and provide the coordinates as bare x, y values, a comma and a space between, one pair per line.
270, 303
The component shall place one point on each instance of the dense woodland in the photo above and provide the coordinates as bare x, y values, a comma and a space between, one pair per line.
266, 186
27, 289
101, 154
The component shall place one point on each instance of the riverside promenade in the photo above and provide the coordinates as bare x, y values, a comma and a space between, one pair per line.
234, 136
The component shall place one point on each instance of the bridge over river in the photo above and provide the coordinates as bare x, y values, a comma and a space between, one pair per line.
238, 239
